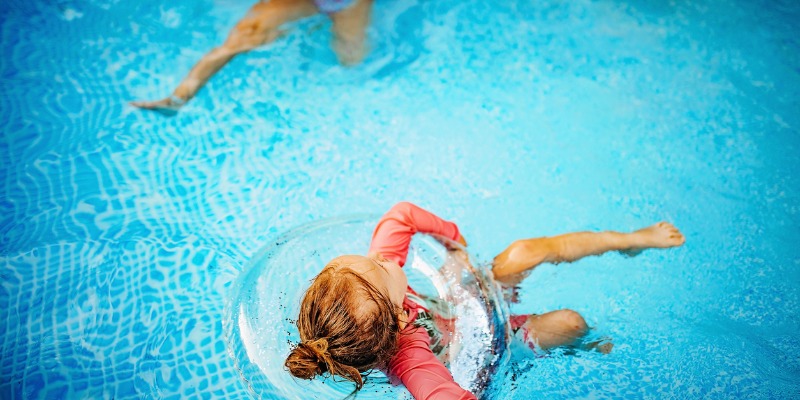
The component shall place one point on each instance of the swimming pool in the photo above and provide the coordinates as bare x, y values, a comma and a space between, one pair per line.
123, 230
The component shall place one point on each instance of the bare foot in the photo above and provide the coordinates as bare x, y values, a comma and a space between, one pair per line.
349, 53
603, 346
661, 235
168, 106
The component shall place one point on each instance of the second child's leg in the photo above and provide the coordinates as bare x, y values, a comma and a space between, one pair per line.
349, 31
259, 27
524, 255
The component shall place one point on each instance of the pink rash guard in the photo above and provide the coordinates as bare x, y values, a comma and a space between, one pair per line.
415, 365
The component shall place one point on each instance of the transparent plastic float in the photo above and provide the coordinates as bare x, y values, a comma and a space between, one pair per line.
265, 299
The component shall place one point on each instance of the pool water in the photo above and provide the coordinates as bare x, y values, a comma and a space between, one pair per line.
122, 231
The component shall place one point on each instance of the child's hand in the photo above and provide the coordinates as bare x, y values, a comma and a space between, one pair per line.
451, 244
511, 294
460, 254
509, 286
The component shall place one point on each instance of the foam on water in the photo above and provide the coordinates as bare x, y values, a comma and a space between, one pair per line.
121, 231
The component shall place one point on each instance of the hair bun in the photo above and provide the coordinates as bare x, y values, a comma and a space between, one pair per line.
309, 359
319, 347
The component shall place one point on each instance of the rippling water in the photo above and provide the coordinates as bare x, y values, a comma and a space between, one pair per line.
121, 231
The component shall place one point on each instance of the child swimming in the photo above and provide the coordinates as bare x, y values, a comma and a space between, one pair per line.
359, 313
261, 26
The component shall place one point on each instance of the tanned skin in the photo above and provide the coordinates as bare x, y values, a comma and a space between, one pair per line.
261, 26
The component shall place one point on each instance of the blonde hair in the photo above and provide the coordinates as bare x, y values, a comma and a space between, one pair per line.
347, 327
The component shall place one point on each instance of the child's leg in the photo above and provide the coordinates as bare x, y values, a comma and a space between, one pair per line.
260, 26
556, 329
349, 31
524, 255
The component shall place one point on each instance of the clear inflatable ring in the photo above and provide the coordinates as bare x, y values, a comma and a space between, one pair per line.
265, 299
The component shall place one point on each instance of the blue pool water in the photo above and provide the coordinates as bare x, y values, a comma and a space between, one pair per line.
122, 231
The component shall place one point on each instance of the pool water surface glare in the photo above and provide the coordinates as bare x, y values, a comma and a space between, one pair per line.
122, 231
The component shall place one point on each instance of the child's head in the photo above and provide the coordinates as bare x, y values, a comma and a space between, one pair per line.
348, 319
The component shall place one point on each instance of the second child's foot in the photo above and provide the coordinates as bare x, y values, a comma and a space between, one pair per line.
168, 106
661, 235
349, 53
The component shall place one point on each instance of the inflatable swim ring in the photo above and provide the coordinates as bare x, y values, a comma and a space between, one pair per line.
265, 299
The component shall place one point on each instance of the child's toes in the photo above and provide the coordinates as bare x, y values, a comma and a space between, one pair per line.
605, 348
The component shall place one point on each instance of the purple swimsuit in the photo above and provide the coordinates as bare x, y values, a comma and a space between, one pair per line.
332, 6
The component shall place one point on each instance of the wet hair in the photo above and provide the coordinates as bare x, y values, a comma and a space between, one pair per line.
347, 327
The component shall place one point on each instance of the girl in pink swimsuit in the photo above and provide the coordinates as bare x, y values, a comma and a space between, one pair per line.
359, 313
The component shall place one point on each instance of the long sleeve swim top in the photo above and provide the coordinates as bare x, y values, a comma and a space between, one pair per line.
414, 364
